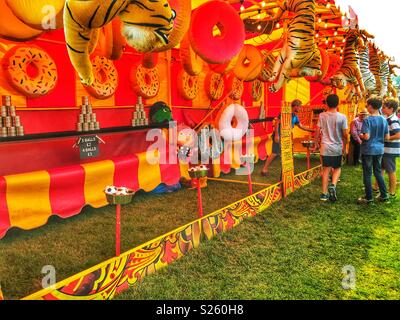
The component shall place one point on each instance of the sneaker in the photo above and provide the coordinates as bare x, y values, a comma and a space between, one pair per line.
332, 193
383, 200
324, 197
364, 200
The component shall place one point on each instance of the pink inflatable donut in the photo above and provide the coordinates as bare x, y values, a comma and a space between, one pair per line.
216, 48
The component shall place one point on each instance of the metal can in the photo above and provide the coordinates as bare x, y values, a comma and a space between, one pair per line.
20, 131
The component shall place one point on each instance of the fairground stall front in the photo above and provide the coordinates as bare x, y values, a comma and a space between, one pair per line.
103, 102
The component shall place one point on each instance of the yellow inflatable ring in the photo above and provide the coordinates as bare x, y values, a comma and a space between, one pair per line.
214, 85
30, 70
106, 79
256, 90
188, 86
250, 63
232, 122
145, 82
235, 86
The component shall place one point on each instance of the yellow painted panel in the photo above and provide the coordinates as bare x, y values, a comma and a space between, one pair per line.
98, 175
149, 175
28, 199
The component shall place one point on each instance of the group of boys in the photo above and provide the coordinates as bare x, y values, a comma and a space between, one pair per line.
377, 137
379, 140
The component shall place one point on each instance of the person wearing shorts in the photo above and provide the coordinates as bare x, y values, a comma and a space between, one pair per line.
392, 145
333, 129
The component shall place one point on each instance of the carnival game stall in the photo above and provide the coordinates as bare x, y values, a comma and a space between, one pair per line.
90, 87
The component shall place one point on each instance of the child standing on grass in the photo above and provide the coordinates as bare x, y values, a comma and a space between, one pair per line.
375, 131
392, 145
333, 127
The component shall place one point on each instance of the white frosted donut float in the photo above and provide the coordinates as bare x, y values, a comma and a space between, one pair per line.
214, 85
30, 70
105, 79
145, 82
233, 122
188, 86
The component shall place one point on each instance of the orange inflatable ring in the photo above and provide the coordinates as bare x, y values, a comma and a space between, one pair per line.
191, 62
145, 82
214, 85
106, 79
269, 62
324, 66
235, 86
220, 48
232, 122
30, 70
256, 90
225, 67
250, 63
150, 60
188, 86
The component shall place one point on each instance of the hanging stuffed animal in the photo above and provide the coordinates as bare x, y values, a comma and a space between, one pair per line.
300, 55
374, 67
147, 25
391, 88
384, 73
368, 76
349, 73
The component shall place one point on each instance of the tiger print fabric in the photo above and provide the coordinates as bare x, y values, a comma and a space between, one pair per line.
147, 25
374, 67
300, 55
384, 73
367, 76
350, 73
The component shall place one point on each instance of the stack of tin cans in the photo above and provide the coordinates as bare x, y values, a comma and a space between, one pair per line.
139, 116
10, 123
87, 119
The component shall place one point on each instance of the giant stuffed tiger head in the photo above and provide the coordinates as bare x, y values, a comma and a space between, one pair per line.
147, 25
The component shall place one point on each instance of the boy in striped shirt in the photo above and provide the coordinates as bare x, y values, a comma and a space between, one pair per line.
392, 145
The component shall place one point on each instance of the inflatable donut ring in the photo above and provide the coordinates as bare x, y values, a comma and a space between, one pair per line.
269, 62
220, 48
145, 82
324, 66
232, 122
250, 63
225, 67
214, 85
150, 60
188, 86
256, 90
191, 62
235, 86
106, 79
30, 70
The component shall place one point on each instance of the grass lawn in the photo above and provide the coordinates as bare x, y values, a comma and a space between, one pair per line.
294, 250
80, 242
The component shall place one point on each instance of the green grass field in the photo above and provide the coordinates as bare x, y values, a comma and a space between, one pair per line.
294, 250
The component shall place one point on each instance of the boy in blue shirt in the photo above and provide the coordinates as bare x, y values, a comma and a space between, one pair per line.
374, 132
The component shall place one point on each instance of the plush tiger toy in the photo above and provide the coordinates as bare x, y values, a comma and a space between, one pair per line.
384, 73
367, 76
374, 67
147, 25
300, 55
391, 88
349, 73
